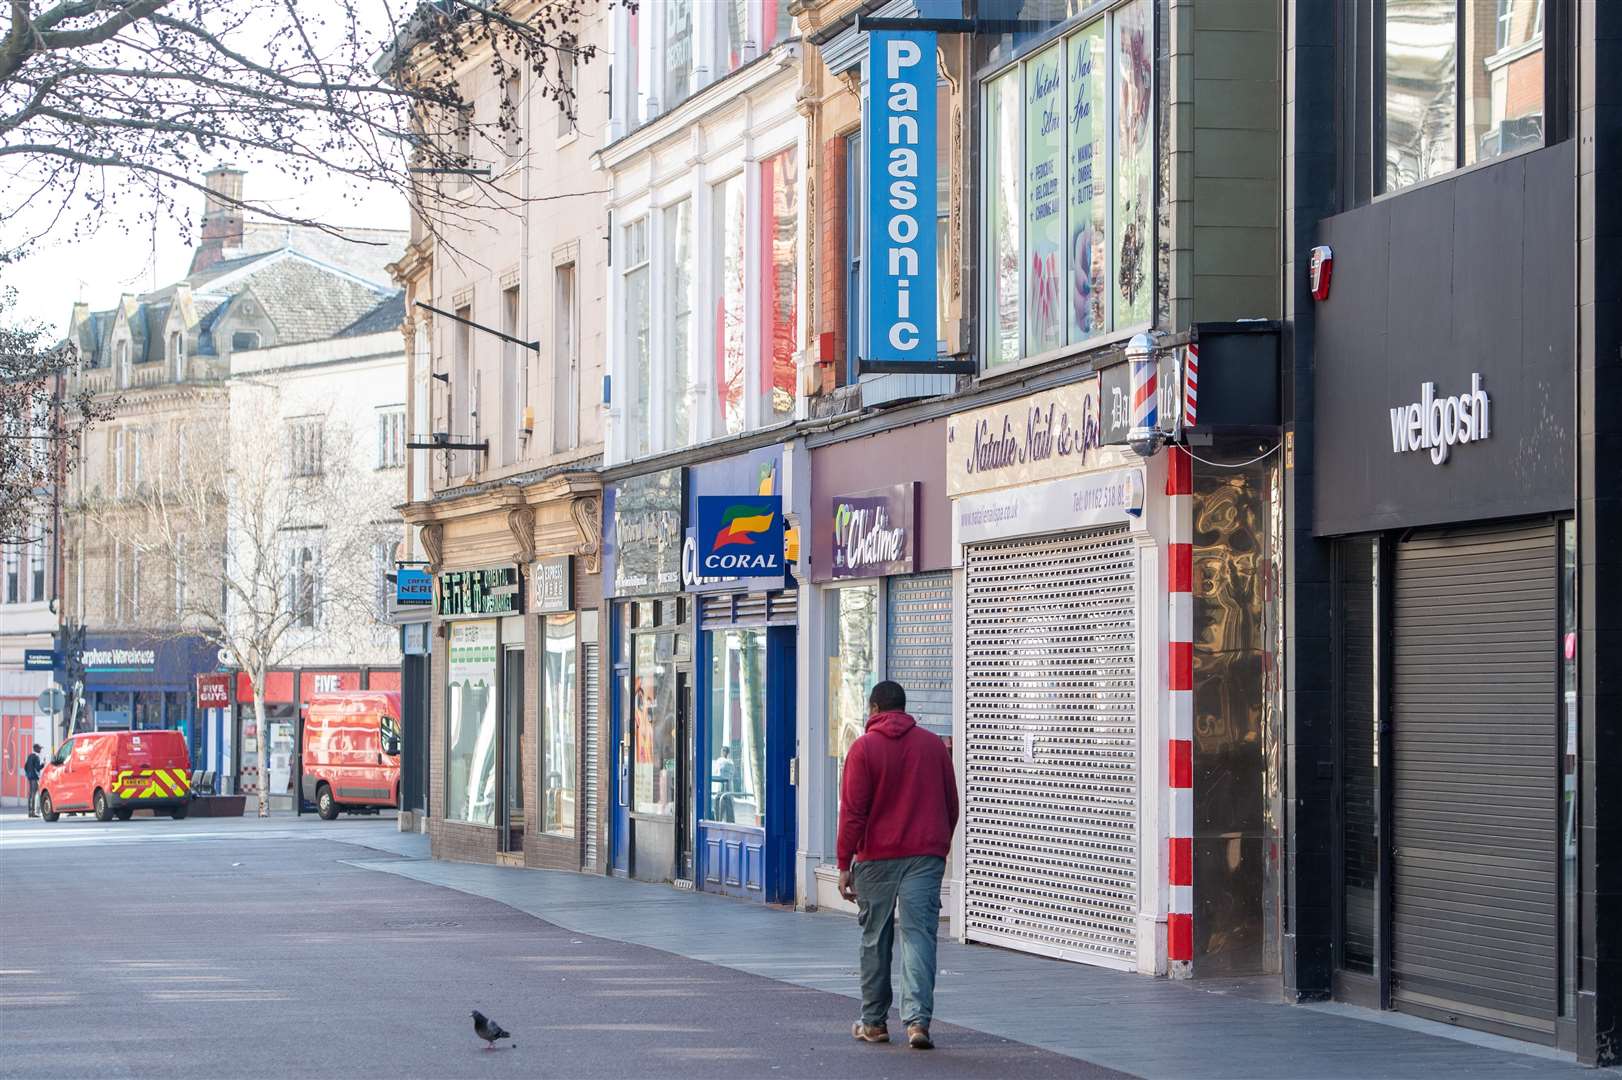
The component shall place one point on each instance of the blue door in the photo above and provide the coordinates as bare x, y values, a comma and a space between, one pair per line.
746, 739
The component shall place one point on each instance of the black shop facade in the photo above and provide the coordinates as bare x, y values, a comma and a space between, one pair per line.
1444, 500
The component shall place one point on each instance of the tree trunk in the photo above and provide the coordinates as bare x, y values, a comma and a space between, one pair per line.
264, 742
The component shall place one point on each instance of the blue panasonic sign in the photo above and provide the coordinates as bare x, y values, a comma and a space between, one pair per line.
900, 246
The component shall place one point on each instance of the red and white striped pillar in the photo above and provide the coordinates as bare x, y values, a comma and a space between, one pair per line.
1180, 745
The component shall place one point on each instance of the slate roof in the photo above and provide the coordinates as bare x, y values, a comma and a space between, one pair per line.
387, 315
307, 301
304, 298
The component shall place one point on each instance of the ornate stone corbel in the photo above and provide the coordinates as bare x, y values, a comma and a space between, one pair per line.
433, 543
521, 523
588, 523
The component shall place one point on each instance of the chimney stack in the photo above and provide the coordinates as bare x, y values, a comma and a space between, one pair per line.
222, 217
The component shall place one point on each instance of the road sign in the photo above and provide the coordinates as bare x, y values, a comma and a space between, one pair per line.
52, 700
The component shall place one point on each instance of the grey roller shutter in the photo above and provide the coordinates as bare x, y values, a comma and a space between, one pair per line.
918, 650
1475, 808
591, 663
1360, 824
1051, 791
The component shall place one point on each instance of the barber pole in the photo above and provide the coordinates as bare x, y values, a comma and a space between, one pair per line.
1145, 393
1191, 385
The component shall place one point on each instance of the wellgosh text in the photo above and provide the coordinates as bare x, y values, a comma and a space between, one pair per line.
1438, 423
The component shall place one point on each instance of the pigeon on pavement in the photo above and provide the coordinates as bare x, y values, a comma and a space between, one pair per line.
488, 1030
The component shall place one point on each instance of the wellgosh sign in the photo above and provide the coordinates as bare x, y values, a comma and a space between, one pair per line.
1438, 424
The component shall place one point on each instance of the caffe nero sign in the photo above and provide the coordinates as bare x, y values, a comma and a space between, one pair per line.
874, 532
496, 590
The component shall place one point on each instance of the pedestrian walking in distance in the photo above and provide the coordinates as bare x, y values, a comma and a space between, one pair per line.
897, 812
33, 765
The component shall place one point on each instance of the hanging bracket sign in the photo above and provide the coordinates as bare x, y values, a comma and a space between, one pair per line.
900, 139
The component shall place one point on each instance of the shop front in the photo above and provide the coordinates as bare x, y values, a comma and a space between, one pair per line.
287, 692
1445, 499
1061, 547
513, 667
481, 612
881, 608
139, 682
651, 695
736, 560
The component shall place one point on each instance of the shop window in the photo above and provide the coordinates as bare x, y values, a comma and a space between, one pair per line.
1463, 83
1069, 216
737, 728
653, 719
854, 626
559, 722
470, 750
778, 218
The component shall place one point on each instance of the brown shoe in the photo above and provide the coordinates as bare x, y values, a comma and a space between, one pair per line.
874, 1033
918, 1037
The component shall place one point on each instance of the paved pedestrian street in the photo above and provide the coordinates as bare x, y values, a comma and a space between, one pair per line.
296, 947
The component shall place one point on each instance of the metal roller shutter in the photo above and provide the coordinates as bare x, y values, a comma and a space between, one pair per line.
591, 663
1051, 792
1475, 872
918, 652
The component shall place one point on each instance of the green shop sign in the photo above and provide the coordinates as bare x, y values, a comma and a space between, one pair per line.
497, 590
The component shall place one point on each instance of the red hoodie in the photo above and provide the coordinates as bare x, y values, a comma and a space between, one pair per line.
899, 795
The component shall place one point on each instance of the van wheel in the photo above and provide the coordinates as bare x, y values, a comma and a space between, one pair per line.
124, 813
178, 812
103, 811
325, 804
45, 810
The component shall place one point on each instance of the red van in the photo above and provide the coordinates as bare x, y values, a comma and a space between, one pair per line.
352, 752
114, 773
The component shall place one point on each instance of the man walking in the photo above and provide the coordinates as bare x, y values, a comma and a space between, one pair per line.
33, 765
897, 812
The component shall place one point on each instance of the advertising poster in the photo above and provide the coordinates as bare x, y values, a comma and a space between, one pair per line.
470, 684
1044, 202
1087, 157
1134, 163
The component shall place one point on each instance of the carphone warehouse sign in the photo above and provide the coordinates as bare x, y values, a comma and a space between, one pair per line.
900, 245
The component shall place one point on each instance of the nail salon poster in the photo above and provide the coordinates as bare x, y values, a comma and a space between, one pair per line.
1087, 152
1134, 164
1044, 201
